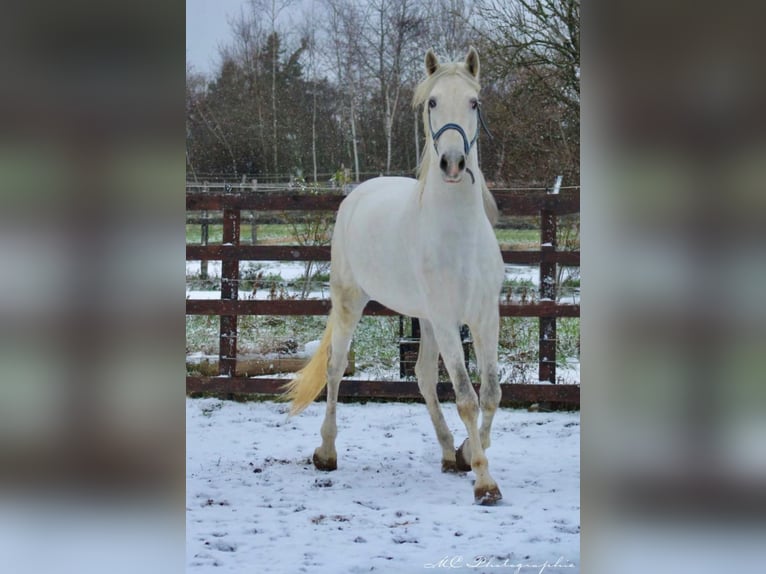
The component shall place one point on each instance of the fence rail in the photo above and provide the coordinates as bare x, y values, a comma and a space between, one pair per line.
508, 202
322, 253
230, 252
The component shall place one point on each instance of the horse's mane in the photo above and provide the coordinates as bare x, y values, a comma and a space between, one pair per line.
422, 91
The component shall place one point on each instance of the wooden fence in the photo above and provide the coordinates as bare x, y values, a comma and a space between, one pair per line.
548, 206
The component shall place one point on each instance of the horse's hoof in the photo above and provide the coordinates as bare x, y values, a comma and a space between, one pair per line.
487, 496
325, 463
462, 462
449, 466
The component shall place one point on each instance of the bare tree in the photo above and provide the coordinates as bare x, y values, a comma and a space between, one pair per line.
344, 25
273, 9
194, 83
532, 83
449, 27
309, 34
351, 79
391, 41
248, 37
541, 37
197, 106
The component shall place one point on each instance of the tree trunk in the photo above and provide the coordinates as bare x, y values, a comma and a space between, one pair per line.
274, 81
353, 139
314, 134
274, 106
389, 125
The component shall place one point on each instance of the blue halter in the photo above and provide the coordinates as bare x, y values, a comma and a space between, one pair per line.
453, 126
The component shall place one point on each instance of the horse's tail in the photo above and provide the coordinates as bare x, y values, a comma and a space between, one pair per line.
312, 378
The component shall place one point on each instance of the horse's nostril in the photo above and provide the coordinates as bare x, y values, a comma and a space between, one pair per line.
461, 164
443, 164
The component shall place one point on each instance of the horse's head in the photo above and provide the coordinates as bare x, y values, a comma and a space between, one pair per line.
450, 95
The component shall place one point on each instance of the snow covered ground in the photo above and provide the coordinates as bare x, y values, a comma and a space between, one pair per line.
254, 502
291, 271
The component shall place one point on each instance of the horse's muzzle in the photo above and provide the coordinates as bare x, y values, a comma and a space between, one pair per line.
452, 165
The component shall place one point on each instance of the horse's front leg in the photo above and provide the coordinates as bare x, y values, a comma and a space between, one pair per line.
485, 488
427, 372
485, 339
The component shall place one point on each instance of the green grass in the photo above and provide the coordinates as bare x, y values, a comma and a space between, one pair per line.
518, 239
283, 233
376, 341
271, 334
265, 232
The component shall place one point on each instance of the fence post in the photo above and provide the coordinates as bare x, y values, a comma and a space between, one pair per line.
253, 226
227, 350
409, 346
204, 237
547, 341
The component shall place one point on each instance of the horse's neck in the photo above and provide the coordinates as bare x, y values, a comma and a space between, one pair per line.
460, 203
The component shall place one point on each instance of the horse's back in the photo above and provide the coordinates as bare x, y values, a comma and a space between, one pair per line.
372, 238
391, 191
382, 199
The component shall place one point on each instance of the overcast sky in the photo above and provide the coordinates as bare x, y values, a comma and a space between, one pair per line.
206, 29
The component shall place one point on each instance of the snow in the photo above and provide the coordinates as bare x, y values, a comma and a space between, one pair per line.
289, 270
311, 347
262, 294
255, 503
292, 271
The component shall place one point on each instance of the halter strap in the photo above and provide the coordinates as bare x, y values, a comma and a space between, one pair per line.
453, 126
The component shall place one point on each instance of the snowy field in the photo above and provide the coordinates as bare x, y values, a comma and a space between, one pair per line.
256, 504
291, 271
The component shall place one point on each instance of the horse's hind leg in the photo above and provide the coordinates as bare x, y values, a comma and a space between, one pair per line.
485, 338
427, 372
347, 306
485, 488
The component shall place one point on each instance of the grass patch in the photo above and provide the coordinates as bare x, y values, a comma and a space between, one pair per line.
518, 346
266, 233
278, 233
518, 239
276, 334
376, 342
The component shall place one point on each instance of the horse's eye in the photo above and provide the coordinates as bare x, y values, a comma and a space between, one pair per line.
432, 103
474, 103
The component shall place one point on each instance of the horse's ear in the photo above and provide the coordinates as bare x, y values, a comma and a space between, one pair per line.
432, 62
472, 62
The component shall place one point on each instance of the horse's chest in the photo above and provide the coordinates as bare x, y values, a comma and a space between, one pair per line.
459, 269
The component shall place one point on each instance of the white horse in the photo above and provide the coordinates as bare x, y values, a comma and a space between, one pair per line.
424, 248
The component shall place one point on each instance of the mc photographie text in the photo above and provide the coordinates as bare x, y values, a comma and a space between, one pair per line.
492, 562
